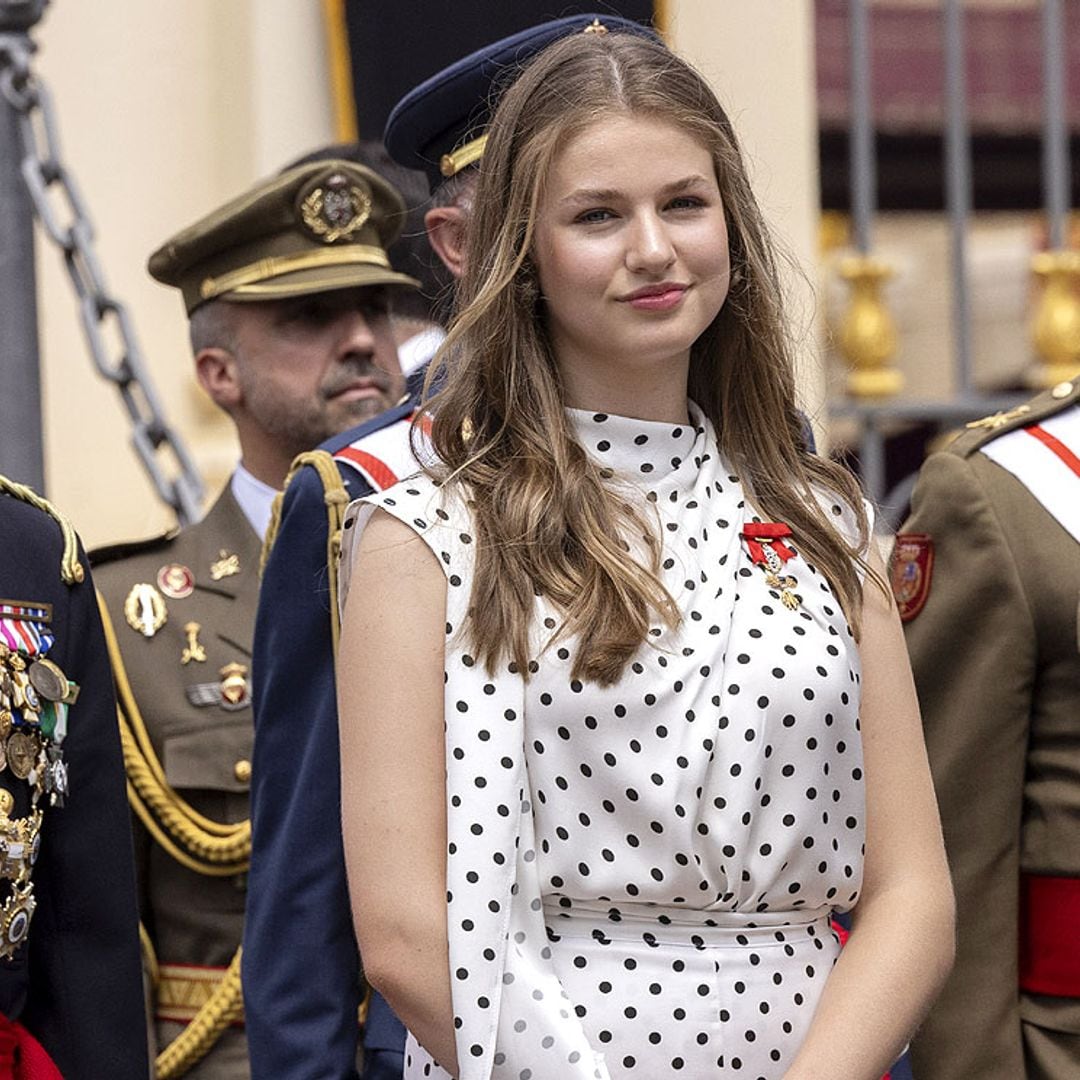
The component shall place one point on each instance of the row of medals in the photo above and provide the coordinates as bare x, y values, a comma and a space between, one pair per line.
30, 692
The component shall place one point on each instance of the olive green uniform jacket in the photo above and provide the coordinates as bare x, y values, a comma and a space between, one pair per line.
997, 667
204, 749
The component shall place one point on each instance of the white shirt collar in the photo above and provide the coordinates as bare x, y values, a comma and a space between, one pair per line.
420, 348
255, 499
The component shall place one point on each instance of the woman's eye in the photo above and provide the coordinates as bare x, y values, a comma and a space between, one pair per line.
592, 217
686, 202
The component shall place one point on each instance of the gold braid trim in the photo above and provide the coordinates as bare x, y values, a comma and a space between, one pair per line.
149, 955
225, 1005
71, 570
205, 846
337, 500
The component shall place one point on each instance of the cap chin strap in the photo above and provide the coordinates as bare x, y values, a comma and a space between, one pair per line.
451, 164
342, 255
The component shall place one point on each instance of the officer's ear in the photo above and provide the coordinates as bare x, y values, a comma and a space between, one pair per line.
446, 233
216, 370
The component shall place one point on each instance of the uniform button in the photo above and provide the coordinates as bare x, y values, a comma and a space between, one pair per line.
1062, 390
242, 770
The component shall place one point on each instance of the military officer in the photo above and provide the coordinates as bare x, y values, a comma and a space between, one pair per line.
986, 573
287, 290
302, 1000
71, 1000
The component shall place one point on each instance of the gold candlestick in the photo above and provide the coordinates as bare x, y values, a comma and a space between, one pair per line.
867, 332
1056, 326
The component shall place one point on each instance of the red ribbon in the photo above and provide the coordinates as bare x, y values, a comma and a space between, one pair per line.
770, 532
22, 1057
1049, 945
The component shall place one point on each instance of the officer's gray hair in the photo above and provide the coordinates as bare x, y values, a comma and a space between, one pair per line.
210, 326
458, 190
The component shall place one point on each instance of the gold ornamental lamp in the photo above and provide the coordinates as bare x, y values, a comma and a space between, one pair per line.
1055, 328
867, 332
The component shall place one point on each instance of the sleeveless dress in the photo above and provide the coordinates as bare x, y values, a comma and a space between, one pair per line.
641, 876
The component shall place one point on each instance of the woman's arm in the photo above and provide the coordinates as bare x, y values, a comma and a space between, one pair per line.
902, 943
393, 776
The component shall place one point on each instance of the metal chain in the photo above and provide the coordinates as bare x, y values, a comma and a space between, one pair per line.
106, 323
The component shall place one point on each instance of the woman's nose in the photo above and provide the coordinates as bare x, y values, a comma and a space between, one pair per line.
651, 249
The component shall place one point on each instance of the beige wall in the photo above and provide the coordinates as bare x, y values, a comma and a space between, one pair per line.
760, 60
167, 110
164, 112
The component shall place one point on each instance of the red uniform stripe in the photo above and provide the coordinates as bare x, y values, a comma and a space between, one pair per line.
1055, 446
378, 471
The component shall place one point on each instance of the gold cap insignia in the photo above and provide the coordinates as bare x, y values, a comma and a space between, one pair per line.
336, 209
595, 27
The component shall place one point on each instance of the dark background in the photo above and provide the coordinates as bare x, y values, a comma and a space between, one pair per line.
396, 44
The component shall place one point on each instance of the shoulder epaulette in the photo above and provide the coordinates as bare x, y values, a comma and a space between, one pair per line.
71, 570
123, 549
335, 499
979, 432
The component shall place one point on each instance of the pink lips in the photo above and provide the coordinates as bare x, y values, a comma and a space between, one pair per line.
662, 297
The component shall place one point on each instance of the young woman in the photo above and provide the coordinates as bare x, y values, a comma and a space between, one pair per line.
625, 710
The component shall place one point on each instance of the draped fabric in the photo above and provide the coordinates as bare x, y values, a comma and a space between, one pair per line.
512, 1014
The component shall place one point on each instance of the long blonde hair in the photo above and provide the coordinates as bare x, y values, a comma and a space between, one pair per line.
545, 521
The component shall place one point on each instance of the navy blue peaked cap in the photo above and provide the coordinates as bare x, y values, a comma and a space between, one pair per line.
437, 125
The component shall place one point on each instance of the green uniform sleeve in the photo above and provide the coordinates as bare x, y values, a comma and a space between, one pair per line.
973, 653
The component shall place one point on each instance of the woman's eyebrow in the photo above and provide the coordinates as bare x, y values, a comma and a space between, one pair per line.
589, 195
583, 195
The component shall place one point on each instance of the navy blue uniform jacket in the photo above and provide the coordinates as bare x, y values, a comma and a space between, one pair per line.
76, 983
301, 969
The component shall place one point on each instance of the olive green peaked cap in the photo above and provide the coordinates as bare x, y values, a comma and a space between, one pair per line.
317, 227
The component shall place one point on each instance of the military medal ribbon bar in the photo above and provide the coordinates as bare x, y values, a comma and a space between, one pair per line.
26, 629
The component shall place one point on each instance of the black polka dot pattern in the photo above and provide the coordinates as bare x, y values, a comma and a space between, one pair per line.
641, 875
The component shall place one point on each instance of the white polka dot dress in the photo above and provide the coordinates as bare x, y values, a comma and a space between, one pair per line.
641, 875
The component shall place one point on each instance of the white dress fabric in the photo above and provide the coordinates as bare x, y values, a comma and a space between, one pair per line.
641, 876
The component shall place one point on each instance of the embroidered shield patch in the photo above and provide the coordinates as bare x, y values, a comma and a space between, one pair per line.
909, 574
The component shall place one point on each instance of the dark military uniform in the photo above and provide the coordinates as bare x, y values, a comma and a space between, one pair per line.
988, 580
188, 687
301, 968
69, 950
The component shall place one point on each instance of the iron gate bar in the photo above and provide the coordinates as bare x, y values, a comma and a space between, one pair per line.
958, 186
1055, 158
863, 165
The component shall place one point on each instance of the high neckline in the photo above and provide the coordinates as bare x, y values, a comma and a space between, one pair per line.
644, 451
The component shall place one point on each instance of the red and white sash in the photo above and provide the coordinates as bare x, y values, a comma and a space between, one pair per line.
386, 456
1045, 458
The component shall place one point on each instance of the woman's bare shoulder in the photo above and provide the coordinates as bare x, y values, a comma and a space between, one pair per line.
384, 531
